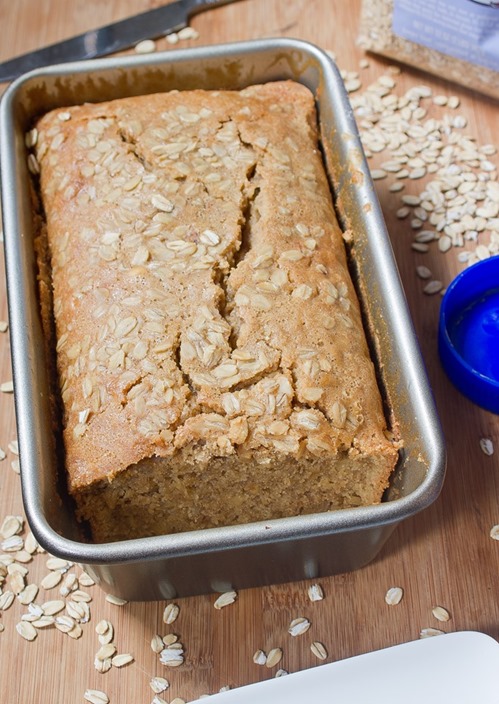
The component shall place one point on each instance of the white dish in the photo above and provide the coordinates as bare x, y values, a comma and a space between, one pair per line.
461, 668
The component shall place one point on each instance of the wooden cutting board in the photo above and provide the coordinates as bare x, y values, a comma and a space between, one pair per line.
444, 556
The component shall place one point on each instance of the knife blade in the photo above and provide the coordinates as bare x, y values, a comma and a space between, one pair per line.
111, 38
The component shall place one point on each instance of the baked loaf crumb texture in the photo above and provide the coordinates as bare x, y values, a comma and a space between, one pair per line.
211, 357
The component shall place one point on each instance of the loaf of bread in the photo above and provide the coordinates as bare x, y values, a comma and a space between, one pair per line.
211, 359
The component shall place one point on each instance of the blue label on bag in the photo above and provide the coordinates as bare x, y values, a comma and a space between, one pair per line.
460, 28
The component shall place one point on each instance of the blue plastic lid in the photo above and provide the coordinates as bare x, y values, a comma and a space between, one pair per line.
468, 336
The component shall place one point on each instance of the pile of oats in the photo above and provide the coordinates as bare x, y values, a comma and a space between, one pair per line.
419, 135
148, 46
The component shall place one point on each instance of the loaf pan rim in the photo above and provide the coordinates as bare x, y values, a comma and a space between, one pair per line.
339, 521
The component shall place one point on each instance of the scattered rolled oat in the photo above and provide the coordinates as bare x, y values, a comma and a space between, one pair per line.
394, 596
102, 627
444, 243
79, 595
420, 247
31, 138
4, 326
106, 651
298, 626
13, 447
177, 700
411, 200
69, 584
440, 100
433, 287
418, 172
57, 563
159, 684
105, 632
318, 650
34, 612
260, 657
33, 165
352, 85
95, 696
172, 656
188, 33
146, 47
64, 623
494, 532
281, 673
26, 630
423, 272
43, 622
76, 632
424, 236
103, 666
440, 613
430, 632
403, 212
78, 610
7, 387
31, 544
170, 613
121, 659
17, 583
23, 556
225, 599
28, 595
50, 608
274, 657
85, 580
6, 600
12, 525
172, 38
391, 166
169, 639
487, 446
116, 600
315, 592
12, 544
157, 644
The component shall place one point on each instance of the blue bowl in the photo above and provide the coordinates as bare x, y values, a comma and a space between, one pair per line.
468, 336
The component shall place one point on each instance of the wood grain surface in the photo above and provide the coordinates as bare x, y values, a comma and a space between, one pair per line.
443, 556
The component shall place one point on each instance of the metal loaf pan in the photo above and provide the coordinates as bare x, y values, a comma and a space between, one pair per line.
259, 553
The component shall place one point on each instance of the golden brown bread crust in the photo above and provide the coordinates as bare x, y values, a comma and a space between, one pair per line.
203, 306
